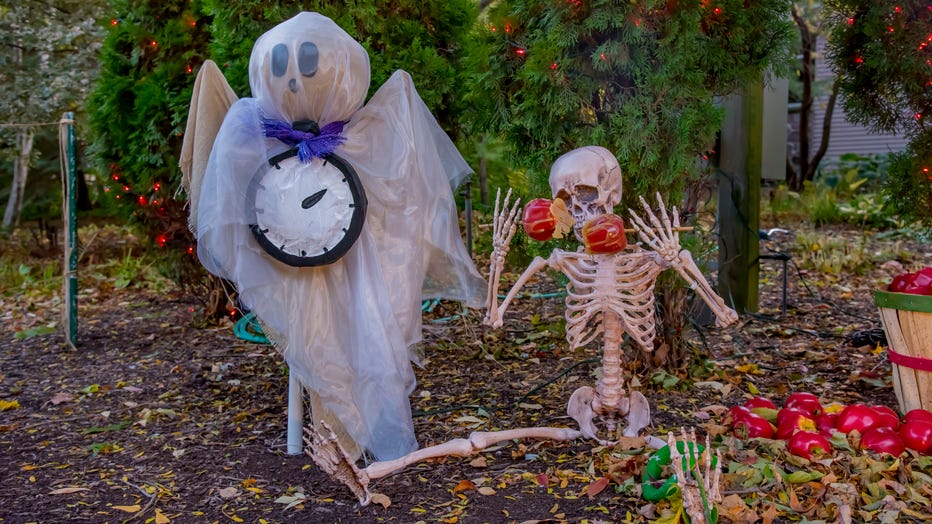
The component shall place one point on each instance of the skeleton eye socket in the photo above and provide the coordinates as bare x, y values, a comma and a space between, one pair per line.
587, 194
279, 60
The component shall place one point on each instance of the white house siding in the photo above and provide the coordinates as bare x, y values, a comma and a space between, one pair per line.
845, 137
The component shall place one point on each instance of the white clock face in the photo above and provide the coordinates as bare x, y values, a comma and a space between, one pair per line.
304, 210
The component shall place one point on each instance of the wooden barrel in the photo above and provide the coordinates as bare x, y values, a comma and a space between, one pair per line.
907, 321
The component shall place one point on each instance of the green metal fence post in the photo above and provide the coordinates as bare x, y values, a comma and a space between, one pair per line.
69, 199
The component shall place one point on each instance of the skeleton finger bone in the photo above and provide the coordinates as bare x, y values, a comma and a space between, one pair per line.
504, 227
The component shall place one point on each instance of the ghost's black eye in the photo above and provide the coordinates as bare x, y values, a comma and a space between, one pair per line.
279, 59
307, 59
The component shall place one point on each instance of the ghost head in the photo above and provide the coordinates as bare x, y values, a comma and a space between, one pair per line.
588, 180
308, 68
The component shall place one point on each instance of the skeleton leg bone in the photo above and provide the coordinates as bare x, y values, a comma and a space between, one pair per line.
330, 457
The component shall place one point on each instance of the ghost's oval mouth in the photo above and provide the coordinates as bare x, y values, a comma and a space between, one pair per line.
310, 201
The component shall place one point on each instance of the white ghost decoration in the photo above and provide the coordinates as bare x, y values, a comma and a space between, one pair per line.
346, 327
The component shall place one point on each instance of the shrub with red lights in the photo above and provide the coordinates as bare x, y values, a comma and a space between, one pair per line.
882, 50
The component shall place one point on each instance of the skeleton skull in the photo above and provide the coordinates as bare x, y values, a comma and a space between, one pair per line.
588, 180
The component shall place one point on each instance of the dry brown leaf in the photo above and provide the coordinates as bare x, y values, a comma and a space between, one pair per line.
160, 517
129, 509
60, 397
625, 443
596, 487
769, 514
464, 485
485, 490
734, 509
66, 491
381, 500
229, 492
479, 462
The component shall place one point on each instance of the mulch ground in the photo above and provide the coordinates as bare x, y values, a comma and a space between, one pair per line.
157, 419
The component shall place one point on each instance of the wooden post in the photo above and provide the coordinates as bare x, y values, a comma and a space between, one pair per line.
740, 169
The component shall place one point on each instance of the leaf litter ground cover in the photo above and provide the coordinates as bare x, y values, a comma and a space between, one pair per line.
156, 419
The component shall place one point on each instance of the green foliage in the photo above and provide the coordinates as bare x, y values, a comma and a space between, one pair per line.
834, 255
881, 52
637, 77
422, 37
138, 111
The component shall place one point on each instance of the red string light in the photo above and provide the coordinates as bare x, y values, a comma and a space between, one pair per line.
113, 22
520, 51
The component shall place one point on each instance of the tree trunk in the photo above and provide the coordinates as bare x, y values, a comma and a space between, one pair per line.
24, 140
797, 173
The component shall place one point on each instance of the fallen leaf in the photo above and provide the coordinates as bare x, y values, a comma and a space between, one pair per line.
160, 517
229, 493
129, 509
60, 397
66, 491
485, 490
524, 405
8, 404
381, 500
596, 487
464, 485
479, 462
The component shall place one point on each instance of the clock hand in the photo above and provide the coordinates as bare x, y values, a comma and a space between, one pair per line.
309, 202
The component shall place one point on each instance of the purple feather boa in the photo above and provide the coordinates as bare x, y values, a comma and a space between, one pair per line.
309, 145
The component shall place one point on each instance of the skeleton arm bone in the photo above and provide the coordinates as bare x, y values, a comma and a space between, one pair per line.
686, 267
664, 239
494, 319
503, 230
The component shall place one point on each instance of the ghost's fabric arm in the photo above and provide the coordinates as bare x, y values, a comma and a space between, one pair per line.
410, 168
210, 101
223, 234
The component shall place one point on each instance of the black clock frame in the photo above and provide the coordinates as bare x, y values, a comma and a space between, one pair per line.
352, 233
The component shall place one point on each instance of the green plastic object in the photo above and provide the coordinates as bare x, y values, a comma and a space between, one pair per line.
654, 488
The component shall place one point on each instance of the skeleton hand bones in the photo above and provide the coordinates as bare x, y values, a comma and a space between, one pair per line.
664, 239
503, 230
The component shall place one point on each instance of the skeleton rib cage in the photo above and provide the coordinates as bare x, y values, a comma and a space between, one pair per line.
621, 283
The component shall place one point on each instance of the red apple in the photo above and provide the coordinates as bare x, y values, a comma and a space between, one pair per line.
917, 434
883, 440
859, 417
803, 401
804, 443
791, 420
752, 426
826, 423
539, 223
888, 417
605, 234
917, 414
760, 402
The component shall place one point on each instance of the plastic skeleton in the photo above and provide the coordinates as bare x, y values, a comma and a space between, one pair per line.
608, 295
